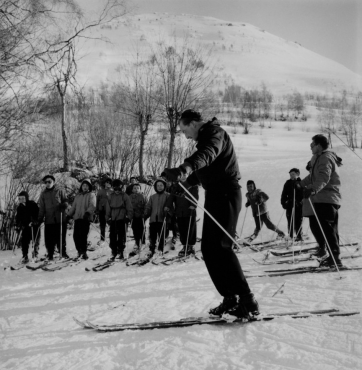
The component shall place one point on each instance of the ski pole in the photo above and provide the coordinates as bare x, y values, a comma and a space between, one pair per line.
208, 213
325, 238
32, 239
188, 232
260, 225
242, 227
61, 231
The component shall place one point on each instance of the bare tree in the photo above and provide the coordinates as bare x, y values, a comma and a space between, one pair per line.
185, 73
140, 99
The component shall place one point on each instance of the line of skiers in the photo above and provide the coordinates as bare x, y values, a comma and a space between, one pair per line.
167, 210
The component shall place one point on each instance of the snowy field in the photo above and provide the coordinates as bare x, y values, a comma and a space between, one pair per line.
36, 308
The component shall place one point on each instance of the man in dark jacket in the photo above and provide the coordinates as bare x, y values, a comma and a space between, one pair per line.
322, 186
214, 165
26, 222
52, 206
292, 202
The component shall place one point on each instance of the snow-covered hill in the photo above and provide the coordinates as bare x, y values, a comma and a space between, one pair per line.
244, 53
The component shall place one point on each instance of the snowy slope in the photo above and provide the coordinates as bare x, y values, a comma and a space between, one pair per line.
242, 52
36, 308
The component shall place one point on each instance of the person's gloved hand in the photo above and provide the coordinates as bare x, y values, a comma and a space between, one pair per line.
86, 216
285, 205
307, 193
247, 205
297, 185
172, 174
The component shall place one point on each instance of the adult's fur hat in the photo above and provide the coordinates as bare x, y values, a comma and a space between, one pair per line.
249, 182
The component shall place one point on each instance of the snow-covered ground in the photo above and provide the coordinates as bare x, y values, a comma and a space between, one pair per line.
36, 308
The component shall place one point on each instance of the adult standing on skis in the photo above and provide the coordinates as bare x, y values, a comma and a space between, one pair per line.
214, 165
323, 185
52, 205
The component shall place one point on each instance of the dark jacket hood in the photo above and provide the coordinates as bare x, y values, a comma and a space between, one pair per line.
86, 181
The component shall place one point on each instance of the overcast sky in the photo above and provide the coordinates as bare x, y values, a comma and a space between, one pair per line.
332, 28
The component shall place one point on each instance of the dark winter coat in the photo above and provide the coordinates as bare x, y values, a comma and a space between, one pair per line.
119, 207
214, 163
287, 198
52, 203
255, 198
324, 178
26, 213
181, 204
102, 199
139, 202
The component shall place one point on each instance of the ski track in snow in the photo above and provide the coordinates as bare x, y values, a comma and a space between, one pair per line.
36, 307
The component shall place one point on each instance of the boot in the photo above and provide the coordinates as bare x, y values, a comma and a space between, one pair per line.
280, 233
25, 259
328, 262
84, 256
246, 307
190, 250
228, 303
134, 251
119, 256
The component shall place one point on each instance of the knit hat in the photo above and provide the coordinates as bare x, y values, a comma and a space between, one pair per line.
48, 177
24, 194
107, 179
295, 170
133, 185
88, 182
159, 179
117, 183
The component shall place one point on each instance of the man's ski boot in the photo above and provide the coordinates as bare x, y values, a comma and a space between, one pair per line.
112, 258
190, 250
328, 262
228, 303
247, 307
84, 256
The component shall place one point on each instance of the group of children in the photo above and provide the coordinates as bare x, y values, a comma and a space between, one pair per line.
112, 206
168, 209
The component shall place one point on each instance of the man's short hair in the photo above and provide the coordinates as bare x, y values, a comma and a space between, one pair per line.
321, 140
190, 115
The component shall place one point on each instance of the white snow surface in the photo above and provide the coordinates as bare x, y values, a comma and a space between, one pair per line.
36, 307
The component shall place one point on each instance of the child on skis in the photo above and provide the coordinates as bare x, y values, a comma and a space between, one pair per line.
82, 211
155, 210
257, 200
185, 213
139, 202
102, 200
26, 223
118, 211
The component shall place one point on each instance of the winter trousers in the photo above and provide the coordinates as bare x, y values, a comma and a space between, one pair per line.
80, 235
138, 229
157, 232
117, 236
221, 262
328, 217
102, 224
264, 219
27, 236
52, 238
187, 229
298, 219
